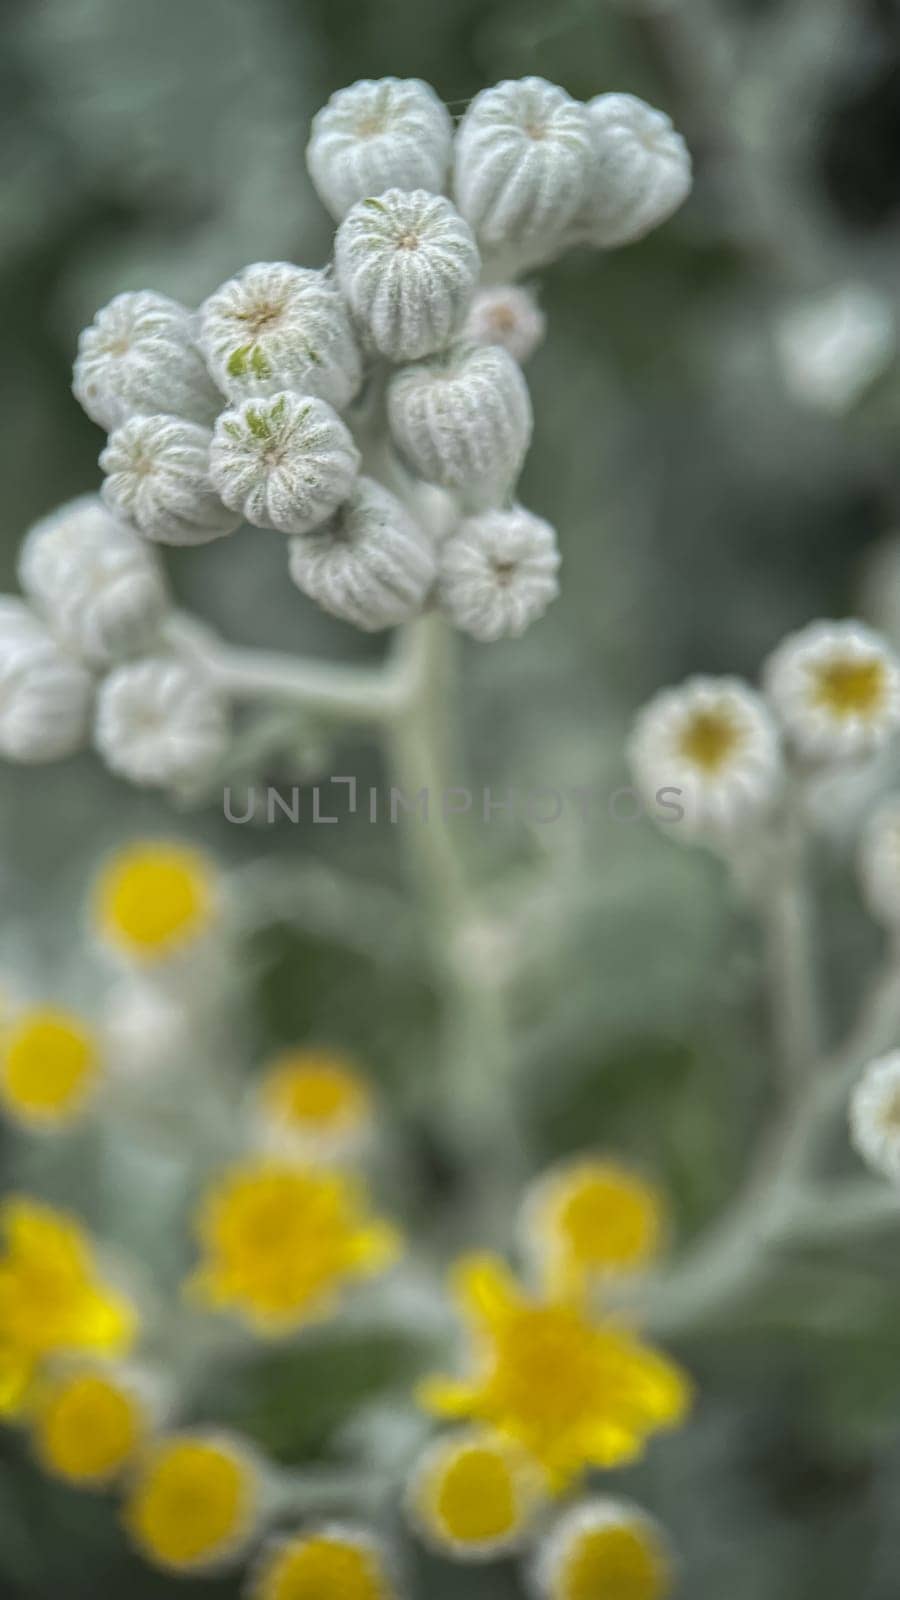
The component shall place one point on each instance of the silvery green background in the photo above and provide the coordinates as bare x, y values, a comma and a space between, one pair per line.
701, 512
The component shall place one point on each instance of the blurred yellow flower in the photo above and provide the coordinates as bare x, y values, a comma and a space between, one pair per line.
474, 1494
334, 1564
49, 1063
316, 1101
572, 1393
589, 1219
604, 1547
52, 1299
280, 1241
89, 1425
194, 1502
153, 898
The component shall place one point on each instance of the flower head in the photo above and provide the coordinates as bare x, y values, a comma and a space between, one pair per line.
333, 1562
45, 694
590, 1219
157, 478
139, 357
391, 133
832, 347
281, 1241
285, 461
52, 1298
315, 1103
463, 419
508, 315
474, 1494
604, 1547
640, 171
159, 723
49, 1066
835, 688
193, 1505
497, 573
369, 564
879, 863
875, 1116
571, 1393
713, 744
154, 898
89, 1424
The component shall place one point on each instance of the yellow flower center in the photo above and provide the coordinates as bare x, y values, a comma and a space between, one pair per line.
546, 1368
194, 1500
323, 1567
475, 1500
618, 1562
853, 687
152, 898
88, 1428
315, 1092
49, 1064
710, 738
605, 1217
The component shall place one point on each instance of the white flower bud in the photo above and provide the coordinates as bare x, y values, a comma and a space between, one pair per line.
139, 356
497, 573
393, 133
158, 479
99, 587
159, 723
408, 266
507, 315
276, 327
640, 171
463, 420
45, 694
875, 1116
284, 462
369, 564
523, 152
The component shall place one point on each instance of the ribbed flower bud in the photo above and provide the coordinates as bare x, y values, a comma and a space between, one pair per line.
392, 133
523, 153
276, 327
640, 171
98, 585
138, 357
159, 723
284, 462
408, 265
158, 479
463, 419
507, 315
369, 564
45, 694
497, 573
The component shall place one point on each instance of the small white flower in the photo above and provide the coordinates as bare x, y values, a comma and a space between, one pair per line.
640, 171
832, 348
159, 724
99, 587
408, 266
139, 356
835, 688
285, 462
158, 479
497, 573
603, 1546
879, 863
508, 315
523, 154
711, 747
463, 420
45, 694
276, 327
875, 1116
391, 133
369, 564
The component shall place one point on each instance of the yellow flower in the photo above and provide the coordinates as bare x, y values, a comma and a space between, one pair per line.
194, 1502
89, 1424
52, 1299
604, 1548
573, 1394
154, 898
333, 1563
49, 1063
315, 1102
474, 1494
280, 1241
589, 1219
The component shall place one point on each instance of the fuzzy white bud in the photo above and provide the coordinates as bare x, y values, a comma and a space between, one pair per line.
275, 327
875, 1116
99, 587
463, 420
139, 356
508, 315
45, 694
369, 564
523, 153
640, 171
408, 266
285, 462
158, 479
159, 723
391, 133
497, 573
